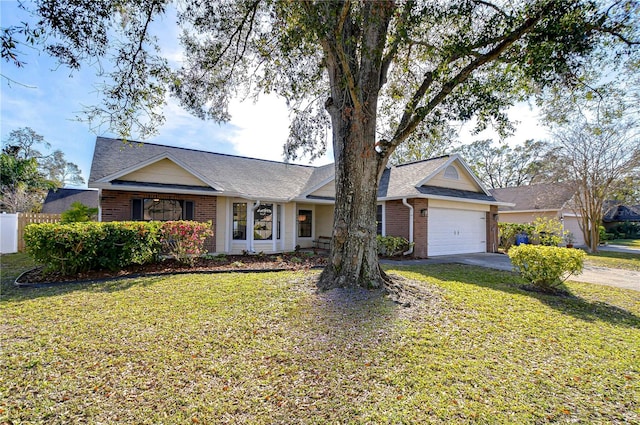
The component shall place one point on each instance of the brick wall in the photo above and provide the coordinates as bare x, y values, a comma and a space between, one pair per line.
396, 219
117, 206
420, 232
397, 223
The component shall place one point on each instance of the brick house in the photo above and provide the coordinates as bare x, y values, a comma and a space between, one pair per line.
267, 206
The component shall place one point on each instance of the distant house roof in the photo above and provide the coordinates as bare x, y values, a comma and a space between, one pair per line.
60, 200
230, 175
622, 213
538, 197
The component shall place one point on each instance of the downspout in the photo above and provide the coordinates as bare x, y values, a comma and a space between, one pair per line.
253, 211
100, 205
406, 204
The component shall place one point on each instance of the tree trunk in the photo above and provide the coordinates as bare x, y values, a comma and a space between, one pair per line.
353, 56
353, 258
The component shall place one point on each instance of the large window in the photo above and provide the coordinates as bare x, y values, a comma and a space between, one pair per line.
240, 221
263, 223
304, 223
161, 209
379, 219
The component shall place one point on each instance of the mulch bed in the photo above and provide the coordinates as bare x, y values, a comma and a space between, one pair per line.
229, 263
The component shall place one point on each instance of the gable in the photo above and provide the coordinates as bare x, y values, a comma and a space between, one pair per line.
454, 176
326, 191
164, 171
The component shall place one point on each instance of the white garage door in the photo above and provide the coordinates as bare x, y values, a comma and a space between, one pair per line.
456, 232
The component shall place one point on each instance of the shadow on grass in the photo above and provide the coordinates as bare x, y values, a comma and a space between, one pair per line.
509, 282
13, 293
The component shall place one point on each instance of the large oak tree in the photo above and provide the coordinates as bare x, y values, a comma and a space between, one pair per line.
376, 72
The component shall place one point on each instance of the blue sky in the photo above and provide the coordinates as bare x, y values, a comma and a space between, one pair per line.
49, 99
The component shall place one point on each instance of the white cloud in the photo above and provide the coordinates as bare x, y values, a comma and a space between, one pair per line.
527, 124
260, 129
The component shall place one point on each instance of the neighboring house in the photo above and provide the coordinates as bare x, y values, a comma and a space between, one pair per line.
266, 206
60, 200
616, 214
549, 200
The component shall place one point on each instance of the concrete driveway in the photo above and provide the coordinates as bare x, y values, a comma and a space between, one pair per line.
626, 279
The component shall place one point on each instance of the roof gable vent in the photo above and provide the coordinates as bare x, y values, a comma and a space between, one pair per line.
451, 173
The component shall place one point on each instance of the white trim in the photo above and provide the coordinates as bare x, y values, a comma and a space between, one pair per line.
553, 210
446, 198
135, 188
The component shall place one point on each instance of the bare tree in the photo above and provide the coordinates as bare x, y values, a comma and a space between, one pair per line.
596, 157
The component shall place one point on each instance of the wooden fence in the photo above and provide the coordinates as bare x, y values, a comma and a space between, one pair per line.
24, 219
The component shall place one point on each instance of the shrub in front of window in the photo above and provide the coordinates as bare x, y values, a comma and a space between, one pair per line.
392, 246
80, 247
184, 240
546, 267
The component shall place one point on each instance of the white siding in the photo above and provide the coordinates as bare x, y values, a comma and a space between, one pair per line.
164, 171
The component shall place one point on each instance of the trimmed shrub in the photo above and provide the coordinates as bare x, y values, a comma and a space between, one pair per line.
547, 232
80, 247
392, 245
546, 267
184, 240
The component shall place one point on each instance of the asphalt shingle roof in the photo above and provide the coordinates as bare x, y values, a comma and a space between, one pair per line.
258, 178
225, 173
547, 196
401, 180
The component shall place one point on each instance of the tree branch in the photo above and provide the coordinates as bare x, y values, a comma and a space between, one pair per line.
393, 49
420, 113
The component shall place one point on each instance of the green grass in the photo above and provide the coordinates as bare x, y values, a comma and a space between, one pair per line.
267, 348
616, 260
634, 243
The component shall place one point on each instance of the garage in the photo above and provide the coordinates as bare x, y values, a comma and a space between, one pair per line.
452, 231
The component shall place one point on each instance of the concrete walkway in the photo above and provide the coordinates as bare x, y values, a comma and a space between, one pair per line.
626, 279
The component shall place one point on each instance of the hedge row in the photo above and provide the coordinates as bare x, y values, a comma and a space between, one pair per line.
80, 247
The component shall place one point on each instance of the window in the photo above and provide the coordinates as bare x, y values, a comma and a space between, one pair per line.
304, 223
240, 221
451, 173
379, 219
263, 223
161, 209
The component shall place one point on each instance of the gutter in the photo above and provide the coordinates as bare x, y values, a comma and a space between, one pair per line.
410, 250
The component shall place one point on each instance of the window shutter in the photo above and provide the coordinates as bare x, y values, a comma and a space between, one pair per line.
136, 210
188, 210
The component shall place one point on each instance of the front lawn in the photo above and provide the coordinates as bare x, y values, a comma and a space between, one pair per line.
266, 348
633, 243
615, 260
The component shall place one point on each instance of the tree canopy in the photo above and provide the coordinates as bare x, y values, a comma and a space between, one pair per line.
505, 166
375, 72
